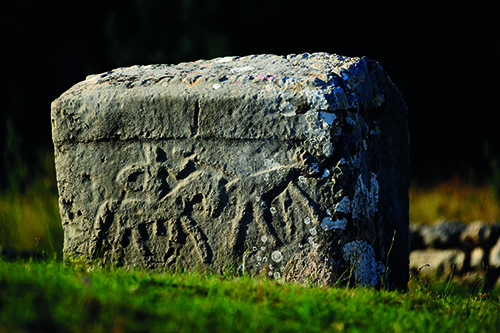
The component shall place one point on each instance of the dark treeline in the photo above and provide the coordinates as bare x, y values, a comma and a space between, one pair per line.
443, 60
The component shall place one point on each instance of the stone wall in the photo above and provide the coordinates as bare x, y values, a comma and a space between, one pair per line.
467, 251
295, 167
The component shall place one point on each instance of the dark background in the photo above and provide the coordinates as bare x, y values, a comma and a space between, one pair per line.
444, 59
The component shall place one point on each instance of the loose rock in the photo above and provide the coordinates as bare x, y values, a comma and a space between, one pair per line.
444, 235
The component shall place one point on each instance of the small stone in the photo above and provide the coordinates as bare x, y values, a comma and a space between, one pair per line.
438, 263
443, 235
495, 255
476, 234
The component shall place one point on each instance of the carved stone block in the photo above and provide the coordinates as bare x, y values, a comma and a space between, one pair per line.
294, 167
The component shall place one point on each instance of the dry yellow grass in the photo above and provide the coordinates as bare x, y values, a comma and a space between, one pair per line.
453, 200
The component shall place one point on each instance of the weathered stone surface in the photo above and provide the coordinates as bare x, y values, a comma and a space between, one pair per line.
436, 263
295, 166
475, 257
476, 234
495, 255
444, 235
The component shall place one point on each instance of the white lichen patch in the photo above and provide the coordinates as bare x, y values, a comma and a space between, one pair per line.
241, 69
364, 203
327, 149
271, 164
287, 109
327, 117
316, 99
224, 59
276, 256
302, 179
314, 168
329, 224
318, 132
343, 206
326, 173
361, 257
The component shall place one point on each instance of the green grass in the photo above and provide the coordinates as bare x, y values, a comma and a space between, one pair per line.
51, 297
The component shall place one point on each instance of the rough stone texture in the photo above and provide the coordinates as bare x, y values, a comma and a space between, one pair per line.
444, 235
296, 167
441, 263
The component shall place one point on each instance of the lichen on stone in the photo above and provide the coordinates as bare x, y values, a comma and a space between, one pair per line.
361, 258
365, 199
329, 224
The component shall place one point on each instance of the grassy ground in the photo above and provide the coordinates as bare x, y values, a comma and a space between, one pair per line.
51, 297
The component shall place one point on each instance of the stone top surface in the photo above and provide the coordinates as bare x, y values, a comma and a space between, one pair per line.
314, 71
193, 99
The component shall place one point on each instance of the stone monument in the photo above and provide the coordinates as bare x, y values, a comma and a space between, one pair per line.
294, 167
